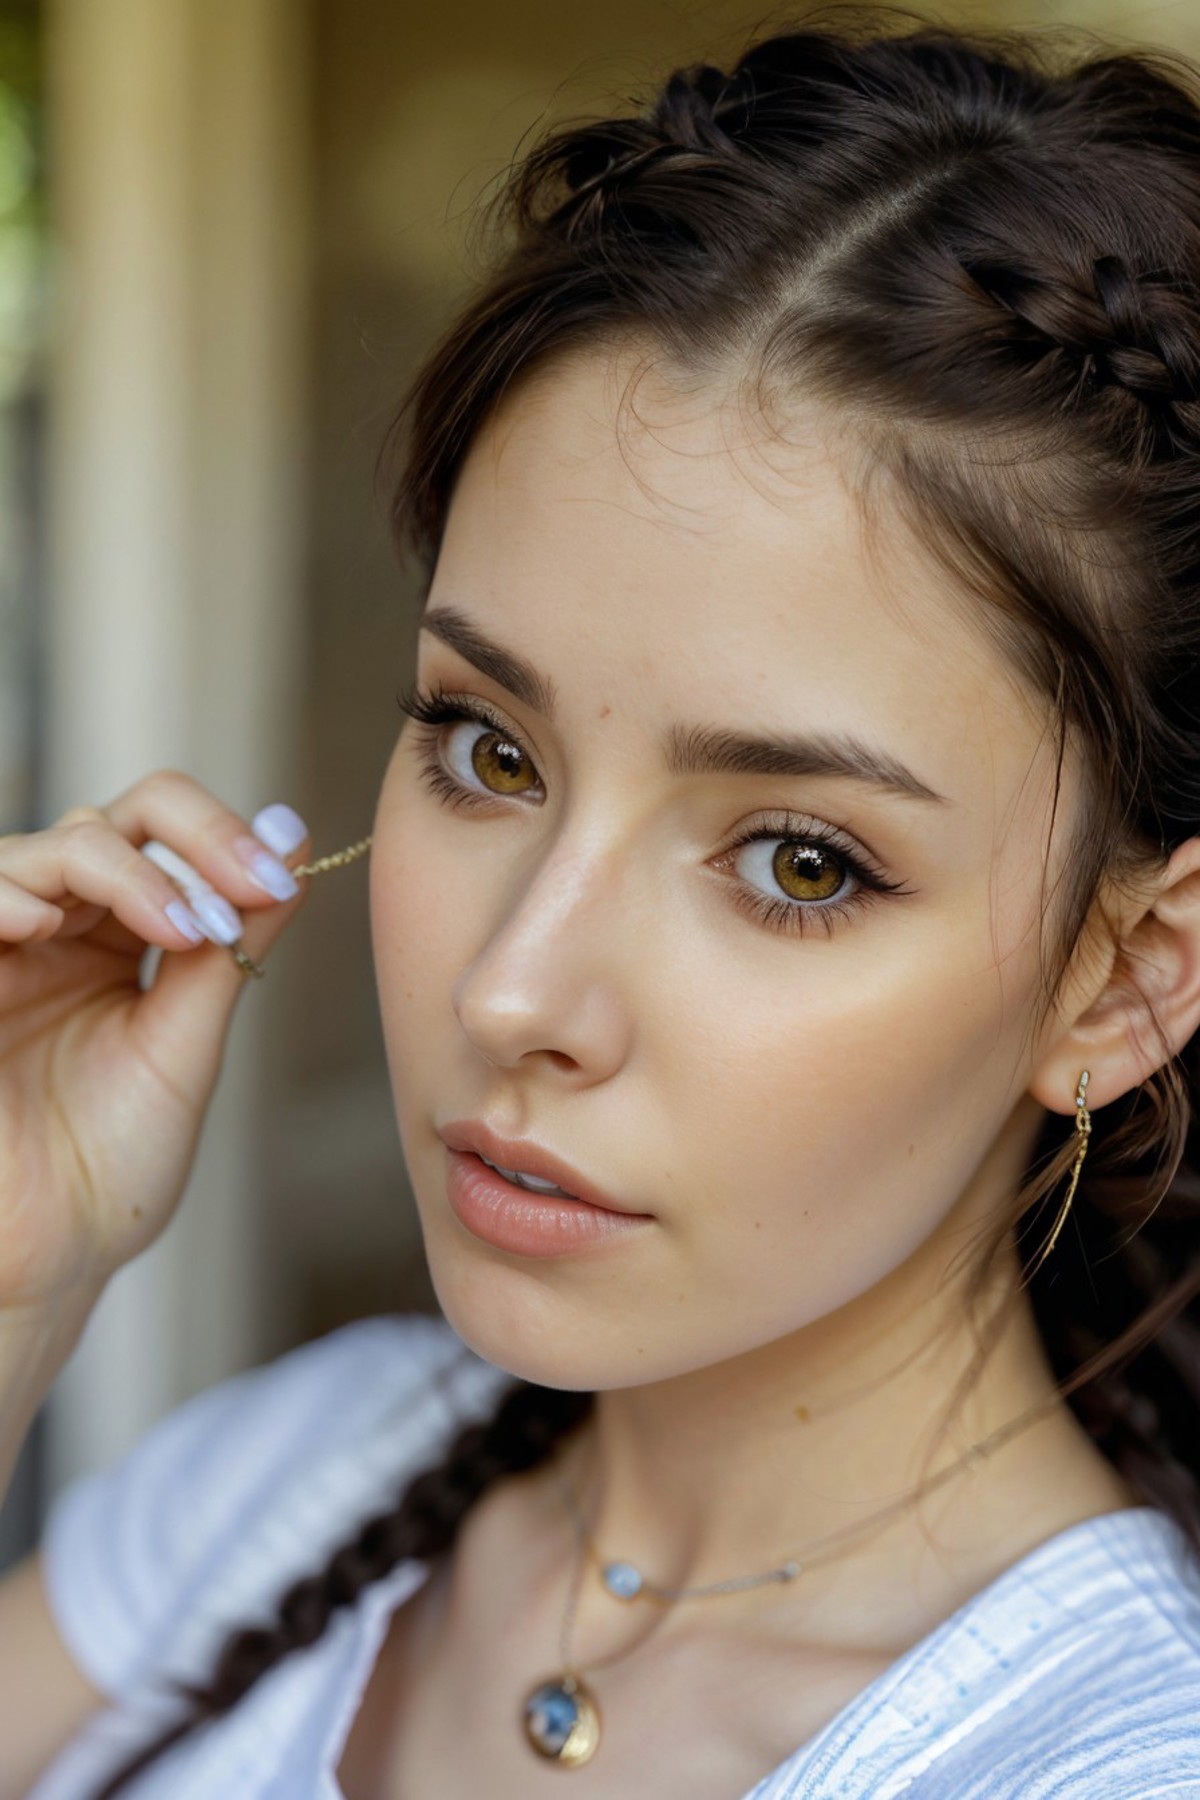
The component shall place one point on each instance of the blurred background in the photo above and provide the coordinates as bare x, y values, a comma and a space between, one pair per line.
228, 231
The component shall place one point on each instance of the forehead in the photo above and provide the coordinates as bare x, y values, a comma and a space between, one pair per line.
630, 530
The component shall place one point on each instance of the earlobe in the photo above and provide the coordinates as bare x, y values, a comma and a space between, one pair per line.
1152, 987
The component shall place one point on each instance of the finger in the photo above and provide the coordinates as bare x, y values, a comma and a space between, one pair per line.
218, 919
87, 860
24, 918
185, 1014
244, 861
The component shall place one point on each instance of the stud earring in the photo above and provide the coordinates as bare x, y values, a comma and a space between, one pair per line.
337, 860
1083, 1130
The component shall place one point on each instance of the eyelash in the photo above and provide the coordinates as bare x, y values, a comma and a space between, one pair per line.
434, 709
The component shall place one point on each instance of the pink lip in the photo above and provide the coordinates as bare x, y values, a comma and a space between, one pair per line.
528, 1159
516, 1219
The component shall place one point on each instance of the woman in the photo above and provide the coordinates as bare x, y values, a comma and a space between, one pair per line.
785, 894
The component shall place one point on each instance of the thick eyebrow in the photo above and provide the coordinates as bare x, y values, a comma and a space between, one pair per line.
704, 750
697, 749
512, 672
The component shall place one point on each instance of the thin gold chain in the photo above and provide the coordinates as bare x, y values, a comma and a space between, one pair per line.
665, 1596
336, 860
565, 1634
825, 1549
1083, 1128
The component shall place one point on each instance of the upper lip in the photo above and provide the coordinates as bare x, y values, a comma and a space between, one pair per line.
527, 1159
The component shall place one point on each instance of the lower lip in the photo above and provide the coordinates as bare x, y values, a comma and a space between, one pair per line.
527, 1224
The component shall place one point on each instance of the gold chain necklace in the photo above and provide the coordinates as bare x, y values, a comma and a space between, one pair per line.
560, 1715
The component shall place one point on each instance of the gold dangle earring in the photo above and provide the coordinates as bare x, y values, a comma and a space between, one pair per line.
1083, 1130
337, 860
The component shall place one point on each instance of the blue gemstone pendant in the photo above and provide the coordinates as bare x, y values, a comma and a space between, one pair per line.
562, 1721
623, 1580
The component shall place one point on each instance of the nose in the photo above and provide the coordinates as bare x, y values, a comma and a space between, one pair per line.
546, 985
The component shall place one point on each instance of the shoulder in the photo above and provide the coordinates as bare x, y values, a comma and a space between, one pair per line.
251, 1483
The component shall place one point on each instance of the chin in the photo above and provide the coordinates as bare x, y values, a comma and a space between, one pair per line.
505, 1316
516, 1319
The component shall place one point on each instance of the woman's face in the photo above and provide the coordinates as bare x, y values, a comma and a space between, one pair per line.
782, 1014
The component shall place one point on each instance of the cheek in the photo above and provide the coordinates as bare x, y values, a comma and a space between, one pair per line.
832, 1116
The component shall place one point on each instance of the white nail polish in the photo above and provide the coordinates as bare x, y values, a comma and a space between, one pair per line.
218, 919
183, 919
279, 828
175, 866
265, 870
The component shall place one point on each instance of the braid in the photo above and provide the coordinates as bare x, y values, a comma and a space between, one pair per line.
528, 1423
1137, 332
628, 166
704, 108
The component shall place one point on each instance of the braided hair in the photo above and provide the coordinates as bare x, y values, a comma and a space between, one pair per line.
528, 1422
984, 252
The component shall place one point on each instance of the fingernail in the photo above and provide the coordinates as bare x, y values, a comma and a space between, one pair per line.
183, 919
171, 863
218, 919
265, 871
279, 828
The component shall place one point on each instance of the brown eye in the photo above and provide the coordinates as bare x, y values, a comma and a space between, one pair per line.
501, 765
806, 872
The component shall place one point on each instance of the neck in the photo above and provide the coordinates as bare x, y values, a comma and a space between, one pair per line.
731, 1470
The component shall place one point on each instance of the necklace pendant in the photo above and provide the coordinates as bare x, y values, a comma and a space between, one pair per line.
562, 1721
623, 1580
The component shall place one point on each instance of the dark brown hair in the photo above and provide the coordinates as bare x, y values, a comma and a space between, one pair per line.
984, 253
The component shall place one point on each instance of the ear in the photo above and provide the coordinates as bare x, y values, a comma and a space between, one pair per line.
1105, 1024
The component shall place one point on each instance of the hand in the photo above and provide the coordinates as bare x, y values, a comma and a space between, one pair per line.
104, 1085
